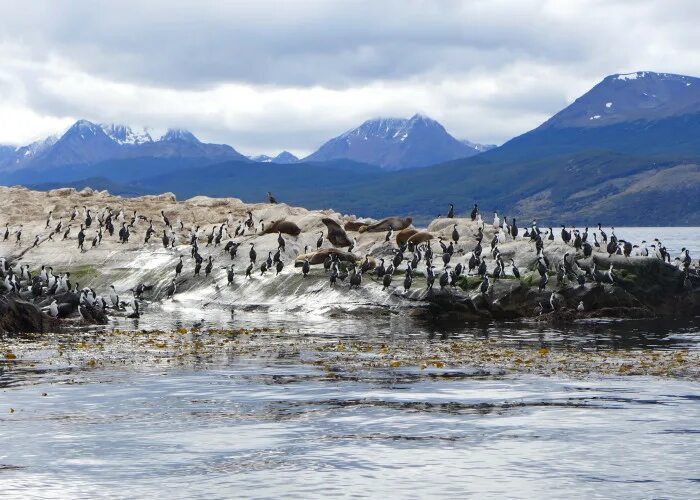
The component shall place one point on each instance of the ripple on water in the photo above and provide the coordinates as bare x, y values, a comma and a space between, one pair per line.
273, 429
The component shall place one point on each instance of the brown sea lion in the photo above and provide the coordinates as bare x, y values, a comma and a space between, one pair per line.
398, 223
403, 235
336, 234
320, 256
284, 226
354, 225
420, 237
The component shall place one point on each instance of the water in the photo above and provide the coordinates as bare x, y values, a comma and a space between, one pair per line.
673, 238
278, 425
273, 429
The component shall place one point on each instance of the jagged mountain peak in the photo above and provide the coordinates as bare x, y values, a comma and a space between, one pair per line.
395, 143
124, 134
286, 157
84, 127
179, 134
89, 143
283, 157
395, 129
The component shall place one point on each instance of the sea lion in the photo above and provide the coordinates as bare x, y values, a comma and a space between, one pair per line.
403, 235
320, 256
284, 226
336, 234
354, 225
397, 223
420, 237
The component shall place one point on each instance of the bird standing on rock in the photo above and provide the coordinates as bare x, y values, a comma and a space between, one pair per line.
389, 234
229, 275
484, 288
252, 254
445, 277
170, 291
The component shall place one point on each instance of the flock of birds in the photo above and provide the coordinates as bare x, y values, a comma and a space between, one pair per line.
59, 296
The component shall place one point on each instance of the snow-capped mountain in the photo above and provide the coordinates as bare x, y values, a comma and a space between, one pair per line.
84, 142
395, 143
123, 134
481, 148
641, 113
619, 98
36, 147
178, 134
88, 143
283, 158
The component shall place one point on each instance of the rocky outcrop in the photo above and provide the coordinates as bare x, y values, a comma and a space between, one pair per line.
19, 316
642, 286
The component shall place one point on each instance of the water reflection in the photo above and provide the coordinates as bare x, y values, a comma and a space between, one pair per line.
595, 334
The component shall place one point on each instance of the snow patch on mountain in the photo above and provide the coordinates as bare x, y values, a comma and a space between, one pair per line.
178, 134
630, 76
395, 143
283, 157
123, 134
629, 97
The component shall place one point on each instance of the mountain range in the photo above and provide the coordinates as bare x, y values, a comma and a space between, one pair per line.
392, 144
284, 157
625, 152
87, 143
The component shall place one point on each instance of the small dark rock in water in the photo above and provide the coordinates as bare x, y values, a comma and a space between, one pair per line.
558, 317
19, 316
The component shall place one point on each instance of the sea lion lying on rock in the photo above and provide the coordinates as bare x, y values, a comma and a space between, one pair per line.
419, 237
320, 256
284, 226
354, 225
397, 223
336, 234
403, 235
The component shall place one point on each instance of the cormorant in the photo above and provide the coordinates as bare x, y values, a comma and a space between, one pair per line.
475, 212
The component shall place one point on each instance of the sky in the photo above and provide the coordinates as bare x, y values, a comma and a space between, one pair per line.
265, 76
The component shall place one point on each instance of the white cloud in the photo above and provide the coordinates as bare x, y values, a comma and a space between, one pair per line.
265, 76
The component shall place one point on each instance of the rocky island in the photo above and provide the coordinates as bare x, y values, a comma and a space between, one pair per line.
84, 256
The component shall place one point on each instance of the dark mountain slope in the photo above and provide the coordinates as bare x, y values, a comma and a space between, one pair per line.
313, 185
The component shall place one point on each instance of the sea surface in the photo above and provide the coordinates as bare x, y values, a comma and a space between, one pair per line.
279, 427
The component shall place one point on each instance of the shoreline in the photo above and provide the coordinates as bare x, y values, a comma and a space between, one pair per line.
339, 357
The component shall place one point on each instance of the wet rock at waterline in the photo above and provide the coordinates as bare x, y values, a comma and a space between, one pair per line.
19, 316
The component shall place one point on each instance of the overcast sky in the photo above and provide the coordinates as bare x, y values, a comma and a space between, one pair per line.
265, 76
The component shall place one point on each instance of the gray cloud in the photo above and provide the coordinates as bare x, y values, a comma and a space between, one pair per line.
487, 69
